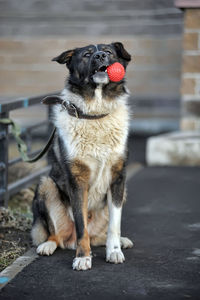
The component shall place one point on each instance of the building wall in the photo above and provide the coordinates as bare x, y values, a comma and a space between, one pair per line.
26, 66
32, 32
191, 71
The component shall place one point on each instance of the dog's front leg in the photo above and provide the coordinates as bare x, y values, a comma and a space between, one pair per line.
79, 201
115, 197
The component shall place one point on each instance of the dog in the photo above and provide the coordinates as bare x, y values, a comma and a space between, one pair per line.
79, 204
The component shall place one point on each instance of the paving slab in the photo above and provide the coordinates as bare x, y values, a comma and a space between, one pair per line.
162, 217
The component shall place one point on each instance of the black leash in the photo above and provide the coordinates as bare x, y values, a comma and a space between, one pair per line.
22, 148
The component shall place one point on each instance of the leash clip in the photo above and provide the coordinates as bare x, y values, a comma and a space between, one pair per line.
63, 105
73, 107
66, 105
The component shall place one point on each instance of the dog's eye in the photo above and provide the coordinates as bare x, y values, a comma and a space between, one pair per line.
87, 54
108, 52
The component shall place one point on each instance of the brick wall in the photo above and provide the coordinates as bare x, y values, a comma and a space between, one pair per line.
26, 67
32, 32
190, 86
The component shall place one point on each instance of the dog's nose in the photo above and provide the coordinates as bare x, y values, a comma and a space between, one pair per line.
100, 55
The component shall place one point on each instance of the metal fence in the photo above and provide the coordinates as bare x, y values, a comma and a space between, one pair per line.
6, 189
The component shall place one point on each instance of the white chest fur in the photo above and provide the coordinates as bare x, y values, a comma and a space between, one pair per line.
98, 143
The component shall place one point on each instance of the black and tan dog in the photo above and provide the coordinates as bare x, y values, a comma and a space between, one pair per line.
80, 203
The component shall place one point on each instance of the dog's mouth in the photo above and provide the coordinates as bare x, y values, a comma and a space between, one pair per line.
99, 75
102, 69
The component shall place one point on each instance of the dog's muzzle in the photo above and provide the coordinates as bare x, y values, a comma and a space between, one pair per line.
100, 61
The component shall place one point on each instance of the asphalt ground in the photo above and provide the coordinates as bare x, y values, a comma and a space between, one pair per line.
162, 217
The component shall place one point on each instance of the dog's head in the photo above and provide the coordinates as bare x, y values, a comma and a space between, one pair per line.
88, 65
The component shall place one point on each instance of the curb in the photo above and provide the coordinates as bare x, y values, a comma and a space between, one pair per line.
17, 266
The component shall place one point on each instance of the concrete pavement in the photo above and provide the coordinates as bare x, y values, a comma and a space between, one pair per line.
162, 216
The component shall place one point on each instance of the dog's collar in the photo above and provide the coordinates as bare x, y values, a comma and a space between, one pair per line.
71, 108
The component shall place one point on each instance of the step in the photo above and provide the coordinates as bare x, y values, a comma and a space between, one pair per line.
174, 149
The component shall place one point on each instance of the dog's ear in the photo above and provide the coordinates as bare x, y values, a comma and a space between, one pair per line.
121, 51
64, 58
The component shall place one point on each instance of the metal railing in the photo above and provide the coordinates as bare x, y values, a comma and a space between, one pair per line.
8, 189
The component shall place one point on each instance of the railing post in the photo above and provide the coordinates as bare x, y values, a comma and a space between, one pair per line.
4, 161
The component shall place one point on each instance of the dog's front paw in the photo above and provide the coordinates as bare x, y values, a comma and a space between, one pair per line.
82, 263
47, 248
115, 256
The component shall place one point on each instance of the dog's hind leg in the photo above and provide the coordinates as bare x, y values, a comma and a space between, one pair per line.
60, 226
39, 233
98, 226
126, 242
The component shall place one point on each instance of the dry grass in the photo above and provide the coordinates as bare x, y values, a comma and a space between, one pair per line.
16, 220
8, 256
14, 235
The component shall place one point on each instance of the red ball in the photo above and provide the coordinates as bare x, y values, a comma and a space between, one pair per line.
116, 72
